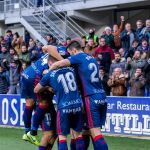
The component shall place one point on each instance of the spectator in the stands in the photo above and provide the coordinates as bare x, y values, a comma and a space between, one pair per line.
4, 56
122, 53
90, 47
32, 46
139, 27
133, 48
4, 81
24, 65
14, 77
137, 83
9, 38
104, 79
27, 38
109, 37
106, 52
145, 33
127, 36
116, 33
92, 35
68, 40
17, 42
144, 47
118, 62
34, 55
135, 62
13, 54
83, 42
146, 71
1, 40
25, 55
89, 50
117, 82
50, 39
39, 47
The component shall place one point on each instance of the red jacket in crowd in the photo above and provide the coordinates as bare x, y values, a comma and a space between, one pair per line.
105, 49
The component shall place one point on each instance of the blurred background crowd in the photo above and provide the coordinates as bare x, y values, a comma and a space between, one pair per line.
123, 54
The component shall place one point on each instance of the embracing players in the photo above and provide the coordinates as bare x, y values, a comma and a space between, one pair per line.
29, 79
69, 104
94, 95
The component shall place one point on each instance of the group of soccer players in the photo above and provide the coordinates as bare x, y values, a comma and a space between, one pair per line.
80, 98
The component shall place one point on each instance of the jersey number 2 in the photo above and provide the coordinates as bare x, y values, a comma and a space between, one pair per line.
93, 67
68, 82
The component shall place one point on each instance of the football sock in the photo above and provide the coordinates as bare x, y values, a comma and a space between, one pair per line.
42, 148
49, 147
27, 117
100, 143
38, 117
73, 144
80, 144
62, 145
86, 139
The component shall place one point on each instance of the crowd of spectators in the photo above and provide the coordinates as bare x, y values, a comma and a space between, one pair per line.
123, 54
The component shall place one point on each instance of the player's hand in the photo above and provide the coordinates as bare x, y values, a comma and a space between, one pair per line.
45, 71
50, 89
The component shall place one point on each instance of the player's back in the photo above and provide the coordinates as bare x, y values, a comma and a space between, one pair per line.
88, 71
63, 82
37, 67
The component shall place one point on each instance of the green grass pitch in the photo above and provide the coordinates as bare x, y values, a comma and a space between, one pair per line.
10, 139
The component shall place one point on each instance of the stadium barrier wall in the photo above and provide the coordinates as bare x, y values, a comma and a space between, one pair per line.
125, 116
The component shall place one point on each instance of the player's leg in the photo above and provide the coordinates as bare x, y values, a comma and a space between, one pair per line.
73, 140
76, 122
38, 116
27, 115
86, 133
86, 137
94, 117
63, 129
41, 109
49, 127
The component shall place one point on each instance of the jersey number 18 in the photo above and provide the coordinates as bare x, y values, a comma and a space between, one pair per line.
67, 81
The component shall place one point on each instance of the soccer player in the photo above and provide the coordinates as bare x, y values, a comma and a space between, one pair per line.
69, 104
94, 95
29, 79
48, 123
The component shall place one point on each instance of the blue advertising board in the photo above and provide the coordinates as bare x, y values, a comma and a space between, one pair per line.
126, 115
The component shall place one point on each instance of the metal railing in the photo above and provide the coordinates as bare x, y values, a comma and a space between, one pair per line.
70, 22
46, 25
49, 18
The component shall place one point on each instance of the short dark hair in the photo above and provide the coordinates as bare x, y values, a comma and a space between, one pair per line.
8, 31
74, 44
102, 68
117, 53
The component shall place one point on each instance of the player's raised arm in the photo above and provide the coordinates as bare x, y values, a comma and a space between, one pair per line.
60, 64
52, 50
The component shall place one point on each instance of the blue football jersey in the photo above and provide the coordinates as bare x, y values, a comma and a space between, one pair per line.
88, 71
63, 82
37, 68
